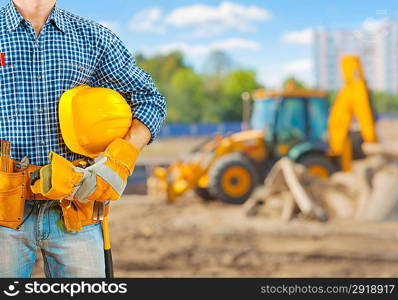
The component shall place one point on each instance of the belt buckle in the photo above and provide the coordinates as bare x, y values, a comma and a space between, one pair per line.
61, 202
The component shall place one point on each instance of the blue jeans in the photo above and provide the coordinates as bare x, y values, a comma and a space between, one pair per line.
65, 254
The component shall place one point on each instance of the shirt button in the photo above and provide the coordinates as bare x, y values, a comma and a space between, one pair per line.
39, 77
40, 110
42, 143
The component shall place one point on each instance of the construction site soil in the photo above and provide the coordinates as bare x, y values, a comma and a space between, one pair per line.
191, 238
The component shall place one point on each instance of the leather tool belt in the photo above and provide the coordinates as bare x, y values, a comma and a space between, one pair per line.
15, 190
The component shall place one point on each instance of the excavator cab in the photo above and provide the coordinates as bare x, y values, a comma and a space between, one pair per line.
291, 120
295, 124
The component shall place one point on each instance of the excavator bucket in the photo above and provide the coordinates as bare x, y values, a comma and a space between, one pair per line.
182, 175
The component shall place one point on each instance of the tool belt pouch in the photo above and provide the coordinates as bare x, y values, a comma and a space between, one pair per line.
76, 214
12, 198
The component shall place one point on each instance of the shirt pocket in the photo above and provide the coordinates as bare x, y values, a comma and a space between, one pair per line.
8, 92
73, 74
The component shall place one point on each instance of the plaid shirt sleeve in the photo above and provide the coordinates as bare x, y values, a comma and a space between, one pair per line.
117, 70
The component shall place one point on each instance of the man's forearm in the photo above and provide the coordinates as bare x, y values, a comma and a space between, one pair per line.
138, 135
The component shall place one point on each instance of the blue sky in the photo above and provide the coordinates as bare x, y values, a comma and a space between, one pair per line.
269, 36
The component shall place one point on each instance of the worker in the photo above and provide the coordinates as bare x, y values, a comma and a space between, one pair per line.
44, 52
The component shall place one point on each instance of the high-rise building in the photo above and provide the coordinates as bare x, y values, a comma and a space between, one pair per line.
377, 46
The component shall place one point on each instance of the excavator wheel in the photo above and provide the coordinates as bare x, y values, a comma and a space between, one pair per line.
204, 193
233, 179
318, 165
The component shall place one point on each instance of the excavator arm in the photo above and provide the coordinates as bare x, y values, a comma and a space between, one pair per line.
353, 100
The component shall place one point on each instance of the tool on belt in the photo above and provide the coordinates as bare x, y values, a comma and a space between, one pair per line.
6, 162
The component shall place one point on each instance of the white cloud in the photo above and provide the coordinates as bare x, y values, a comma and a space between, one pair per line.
300, 37
211, 20
150, 20
203, 49
374, 25
236, 44
113, 26
298, 66
204, 20
272, 75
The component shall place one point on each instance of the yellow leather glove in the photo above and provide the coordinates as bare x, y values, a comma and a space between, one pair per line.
57, 180
106, 179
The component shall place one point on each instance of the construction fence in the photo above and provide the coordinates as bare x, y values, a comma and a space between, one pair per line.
207, 129
198, 129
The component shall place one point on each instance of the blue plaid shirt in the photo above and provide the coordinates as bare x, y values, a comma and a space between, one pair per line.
35, 71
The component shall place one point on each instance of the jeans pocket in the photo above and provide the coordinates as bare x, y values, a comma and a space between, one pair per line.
91, 226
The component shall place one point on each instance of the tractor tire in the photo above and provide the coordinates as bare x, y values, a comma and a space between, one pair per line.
204, 194
318, 165
233, 179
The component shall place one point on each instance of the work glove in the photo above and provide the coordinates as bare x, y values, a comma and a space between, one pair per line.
57, 180
106, 179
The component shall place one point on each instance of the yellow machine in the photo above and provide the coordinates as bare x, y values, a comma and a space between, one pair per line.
293, 123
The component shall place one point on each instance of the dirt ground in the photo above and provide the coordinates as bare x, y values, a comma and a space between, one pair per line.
196, 239
190, 238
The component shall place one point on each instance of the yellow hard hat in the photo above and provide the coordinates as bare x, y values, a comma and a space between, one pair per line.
91, 118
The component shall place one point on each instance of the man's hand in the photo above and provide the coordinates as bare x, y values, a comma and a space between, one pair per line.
106, 179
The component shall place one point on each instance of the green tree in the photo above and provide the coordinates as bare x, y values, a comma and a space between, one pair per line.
293, 81
218, 64
384, 102
194, 97
162, 67
234, 85
186, 96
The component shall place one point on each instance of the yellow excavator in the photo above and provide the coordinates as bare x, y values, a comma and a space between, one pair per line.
294, 123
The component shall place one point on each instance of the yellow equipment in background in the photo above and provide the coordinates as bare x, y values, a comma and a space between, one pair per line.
294, 123
352, 100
